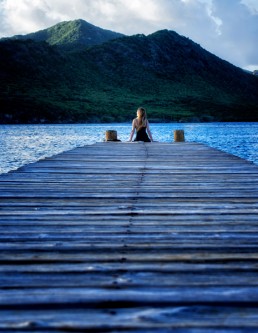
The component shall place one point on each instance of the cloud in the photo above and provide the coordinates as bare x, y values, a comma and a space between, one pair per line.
127, 16
193, 18
228, 29
20, 17
225, 28
238, 42
252, 5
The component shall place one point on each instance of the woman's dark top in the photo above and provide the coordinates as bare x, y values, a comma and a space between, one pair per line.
141, 135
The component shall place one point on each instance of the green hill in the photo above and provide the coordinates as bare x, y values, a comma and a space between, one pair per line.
173, 77
71, 35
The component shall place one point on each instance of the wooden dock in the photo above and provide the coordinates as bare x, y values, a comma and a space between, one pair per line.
130, 237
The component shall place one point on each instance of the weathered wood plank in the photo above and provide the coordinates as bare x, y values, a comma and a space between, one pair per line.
160, 319
118, 268
88, 257
246, 296
21, 280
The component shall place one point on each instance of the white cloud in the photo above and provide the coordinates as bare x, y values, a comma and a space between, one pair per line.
208, 8
251, 67
228, 28
27, 16
217, 20
126, 16
252, 5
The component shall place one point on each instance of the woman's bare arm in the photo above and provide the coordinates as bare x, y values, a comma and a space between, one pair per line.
133, 130
148, 131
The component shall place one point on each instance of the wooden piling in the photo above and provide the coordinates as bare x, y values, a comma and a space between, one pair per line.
179, 136
111, 135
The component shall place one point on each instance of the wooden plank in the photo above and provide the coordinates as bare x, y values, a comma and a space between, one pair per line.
130, 237
97, 297
117, 269
126, 280
179, 319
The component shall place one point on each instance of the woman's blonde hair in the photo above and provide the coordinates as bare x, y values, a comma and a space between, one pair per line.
142, 116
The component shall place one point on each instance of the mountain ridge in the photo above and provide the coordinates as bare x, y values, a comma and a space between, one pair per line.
67, 34
174, 77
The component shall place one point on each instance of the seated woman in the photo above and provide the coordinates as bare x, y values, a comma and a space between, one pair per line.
141, 125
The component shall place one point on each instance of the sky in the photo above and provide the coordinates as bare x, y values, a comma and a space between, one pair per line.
227, 28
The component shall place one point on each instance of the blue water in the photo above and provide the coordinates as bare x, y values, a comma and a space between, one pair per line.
23, 144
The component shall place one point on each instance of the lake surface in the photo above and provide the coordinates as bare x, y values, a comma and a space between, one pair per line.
23, 144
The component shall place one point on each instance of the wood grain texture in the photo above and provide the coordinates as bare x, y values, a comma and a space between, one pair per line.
130, 237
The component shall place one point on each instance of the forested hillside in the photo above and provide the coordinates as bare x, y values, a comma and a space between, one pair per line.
71, 81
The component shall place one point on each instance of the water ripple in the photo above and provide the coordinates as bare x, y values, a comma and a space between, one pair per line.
23, 144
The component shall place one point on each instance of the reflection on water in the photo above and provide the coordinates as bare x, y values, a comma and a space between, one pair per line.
23, 144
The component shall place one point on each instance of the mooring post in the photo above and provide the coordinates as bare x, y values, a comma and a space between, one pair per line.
111, 135
179, 136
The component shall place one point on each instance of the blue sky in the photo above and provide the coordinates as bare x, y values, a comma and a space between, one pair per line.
227, 28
